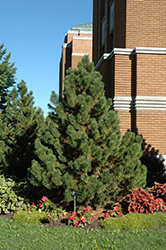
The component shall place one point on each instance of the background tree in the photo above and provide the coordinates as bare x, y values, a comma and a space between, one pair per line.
18, 131
7, 78
82, 148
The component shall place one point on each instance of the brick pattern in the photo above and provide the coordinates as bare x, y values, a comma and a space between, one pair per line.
145, 23
151, 75
138, 23
77, 46
125, 120
151, 125
82, 46
75, 60
122, 75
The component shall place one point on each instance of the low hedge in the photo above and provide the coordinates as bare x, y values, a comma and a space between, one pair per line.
135, 221
33, 217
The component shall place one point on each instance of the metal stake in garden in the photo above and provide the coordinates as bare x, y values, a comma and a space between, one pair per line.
74, 193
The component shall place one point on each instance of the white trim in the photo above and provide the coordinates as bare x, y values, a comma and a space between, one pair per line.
82, 38
67, 45
79, 54
123, 51
80, 31
122, 102
115, 51
64, 45
86, 32
144, 50
139, 103
150, 102
73, 31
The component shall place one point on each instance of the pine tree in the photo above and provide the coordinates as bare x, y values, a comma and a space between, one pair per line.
18, 131
81, 149
7, 78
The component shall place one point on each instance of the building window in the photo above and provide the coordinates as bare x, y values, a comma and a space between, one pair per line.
103, 32
111, 18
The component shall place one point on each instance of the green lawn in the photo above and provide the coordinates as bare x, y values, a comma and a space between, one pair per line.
15, 235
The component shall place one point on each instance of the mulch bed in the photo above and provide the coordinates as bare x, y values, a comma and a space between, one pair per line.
98, 217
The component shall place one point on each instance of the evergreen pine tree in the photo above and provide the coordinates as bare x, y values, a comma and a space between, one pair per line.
7, 78
81, 149
18, 131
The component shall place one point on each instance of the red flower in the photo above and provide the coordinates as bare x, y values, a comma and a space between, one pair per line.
76, 223
73, 212
111, 211
106, 215
40, 205
90, 219
71, 218
83, 220
44, 198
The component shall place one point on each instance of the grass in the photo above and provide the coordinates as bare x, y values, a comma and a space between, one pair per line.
16, 235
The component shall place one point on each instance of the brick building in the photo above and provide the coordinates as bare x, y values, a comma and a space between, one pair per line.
77, 43
129, 50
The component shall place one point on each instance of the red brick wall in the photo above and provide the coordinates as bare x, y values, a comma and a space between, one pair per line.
151, 124
138, 23
122, 75
125, 120
151, 75
75, 60
82, 46
145, 23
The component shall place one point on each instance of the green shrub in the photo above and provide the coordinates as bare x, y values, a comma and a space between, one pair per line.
9, 200
140, 201
30, 217
159, 190
135, 221
80, 147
